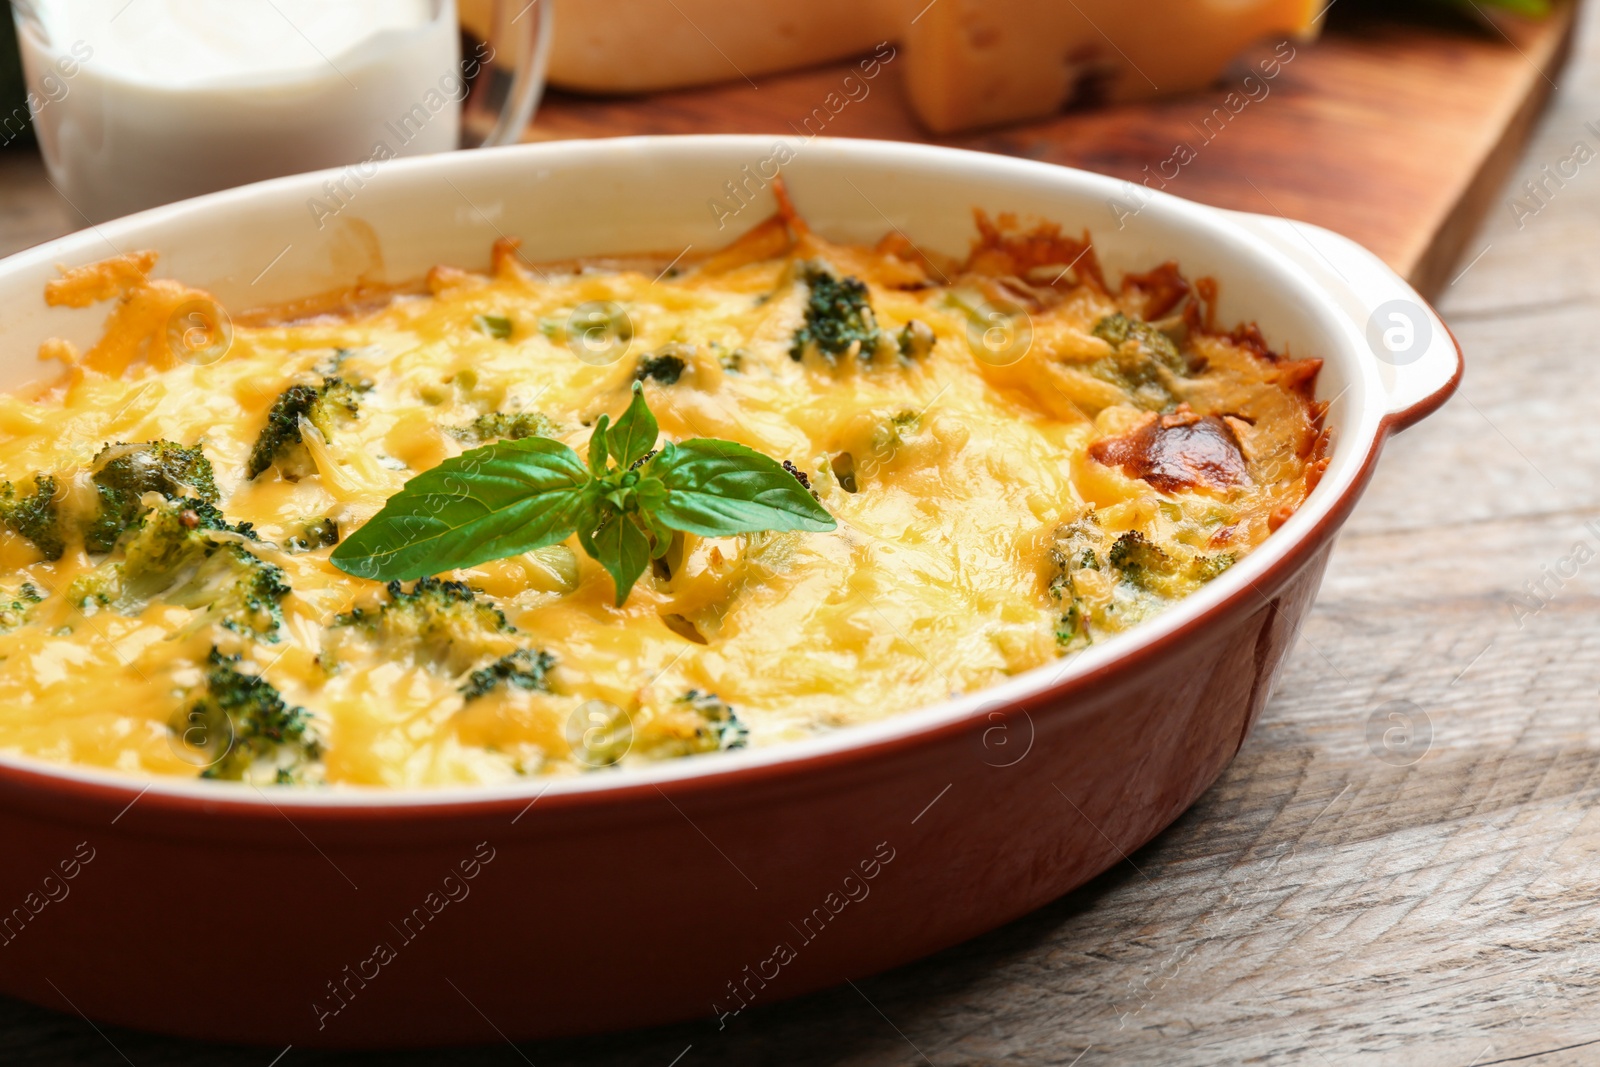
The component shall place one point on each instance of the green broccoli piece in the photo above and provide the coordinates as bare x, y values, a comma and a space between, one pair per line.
317, 404
665, 366
323, 533
173, 554
14, 611
35, 516
722, 729
1140, 560
499, 426
124, 473
522, 669
839, 319
446, 621
1206, 568
242, 588
730, 361
916, 339
239, 720
1143, 361
1118, 329
1076, 548
496, 326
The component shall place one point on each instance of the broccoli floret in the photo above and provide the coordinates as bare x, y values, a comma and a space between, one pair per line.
839, 319
243, 727
1117, 330
721, 729
1206, 568
1140, 560
1076, 548
15, 609
124, 473
916, 339
34, 515
523, 669
665, 366
317, 404
323, 533
445, 621
730, 361
242, 588
1143, 361
500, 426
172, 553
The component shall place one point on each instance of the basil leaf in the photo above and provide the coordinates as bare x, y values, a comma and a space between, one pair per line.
597, 447
487, 503
623, 549
716, 488
635, 432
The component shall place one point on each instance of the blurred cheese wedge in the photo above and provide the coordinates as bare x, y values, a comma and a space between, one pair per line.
982, 62
637, 46
965, 63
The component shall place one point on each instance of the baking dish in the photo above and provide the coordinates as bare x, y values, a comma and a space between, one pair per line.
700, 887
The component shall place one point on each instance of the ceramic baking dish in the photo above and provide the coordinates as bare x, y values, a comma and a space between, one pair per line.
696, 887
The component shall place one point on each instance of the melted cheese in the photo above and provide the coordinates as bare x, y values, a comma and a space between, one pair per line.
945, 574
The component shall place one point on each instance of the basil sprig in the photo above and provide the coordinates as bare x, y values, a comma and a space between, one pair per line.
515, 496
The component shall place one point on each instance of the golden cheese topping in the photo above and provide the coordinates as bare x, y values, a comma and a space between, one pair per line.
1022, 460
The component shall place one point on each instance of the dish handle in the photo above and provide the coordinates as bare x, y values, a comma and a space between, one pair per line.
1418, 357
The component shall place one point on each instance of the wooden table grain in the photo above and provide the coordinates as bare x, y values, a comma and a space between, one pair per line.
1327, 902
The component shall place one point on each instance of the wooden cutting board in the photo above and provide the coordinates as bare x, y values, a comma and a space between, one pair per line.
1397, 131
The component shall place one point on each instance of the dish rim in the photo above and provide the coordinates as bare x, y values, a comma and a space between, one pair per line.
1253, 580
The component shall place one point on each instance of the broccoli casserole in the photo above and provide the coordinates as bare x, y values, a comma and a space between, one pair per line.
990, 463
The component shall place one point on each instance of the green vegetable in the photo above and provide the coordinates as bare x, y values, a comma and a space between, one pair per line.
916, 339
14, 612
1534, 9
722, 729
1146, 565
124, 473
34, 516
499, 426
1117, 330
316, 404
496, 326
1075, 550
522, 669
665, 367
315, 535
173, 552
445, 621
239, 719
839, 320
515, 496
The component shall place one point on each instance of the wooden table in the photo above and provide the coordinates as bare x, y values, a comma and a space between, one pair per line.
1319, 905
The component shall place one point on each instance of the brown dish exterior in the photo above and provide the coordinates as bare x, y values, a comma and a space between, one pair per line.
343, 921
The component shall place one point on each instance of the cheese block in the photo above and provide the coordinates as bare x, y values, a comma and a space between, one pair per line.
982, 62
965, 63
634, 46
